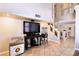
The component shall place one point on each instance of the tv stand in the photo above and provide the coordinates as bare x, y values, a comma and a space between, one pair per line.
31, 40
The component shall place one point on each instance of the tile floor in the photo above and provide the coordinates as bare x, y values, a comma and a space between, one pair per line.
64, 48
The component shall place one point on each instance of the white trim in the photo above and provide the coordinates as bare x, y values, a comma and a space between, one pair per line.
5, 52
77, 49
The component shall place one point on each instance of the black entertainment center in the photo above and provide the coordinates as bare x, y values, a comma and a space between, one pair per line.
32, 30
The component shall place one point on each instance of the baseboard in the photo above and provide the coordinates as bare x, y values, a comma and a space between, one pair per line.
5, 52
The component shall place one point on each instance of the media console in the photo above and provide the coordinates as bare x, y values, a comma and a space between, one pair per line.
33, 38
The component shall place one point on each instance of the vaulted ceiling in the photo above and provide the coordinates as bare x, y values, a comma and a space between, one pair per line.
63, 8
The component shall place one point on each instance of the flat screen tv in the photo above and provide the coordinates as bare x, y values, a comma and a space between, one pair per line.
34, 27
31, 27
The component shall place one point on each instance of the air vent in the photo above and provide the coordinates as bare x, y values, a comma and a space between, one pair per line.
37, 15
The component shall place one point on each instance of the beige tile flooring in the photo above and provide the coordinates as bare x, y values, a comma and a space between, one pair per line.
64, 48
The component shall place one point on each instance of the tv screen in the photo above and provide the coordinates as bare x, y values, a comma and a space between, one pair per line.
31, 27
34, 27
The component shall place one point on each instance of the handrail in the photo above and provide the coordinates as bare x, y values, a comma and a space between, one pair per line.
57, 33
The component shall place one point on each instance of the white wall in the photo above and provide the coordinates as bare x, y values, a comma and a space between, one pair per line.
77, 28
28, 9
9, 27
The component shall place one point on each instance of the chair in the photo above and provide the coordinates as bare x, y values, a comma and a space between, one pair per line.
44, 38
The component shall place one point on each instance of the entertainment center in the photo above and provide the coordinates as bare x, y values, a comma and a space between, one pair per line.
33, 36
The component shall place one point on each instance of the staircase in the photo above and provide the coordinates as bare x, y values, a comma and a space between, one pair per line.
54, 35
